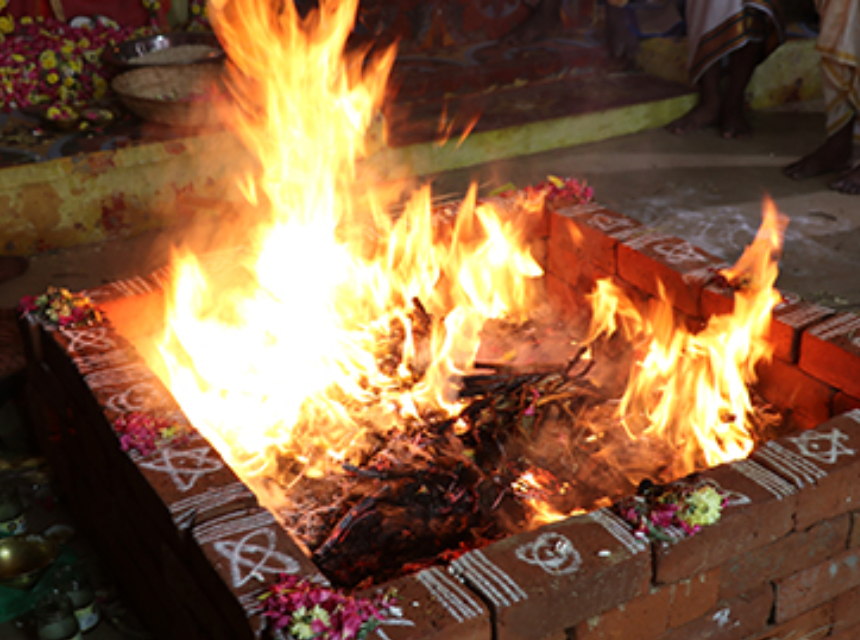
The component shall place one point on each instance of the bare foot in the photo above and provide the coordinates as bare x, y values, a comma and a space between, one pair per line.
833, 155
848, 182
699, 117
735, 126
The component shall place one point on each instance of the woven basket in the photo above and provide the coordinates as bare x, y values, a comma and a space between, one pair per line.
177, 95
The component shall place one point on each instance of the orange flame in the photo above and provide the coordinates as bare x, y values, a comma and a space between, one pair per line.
314, 339
691, 389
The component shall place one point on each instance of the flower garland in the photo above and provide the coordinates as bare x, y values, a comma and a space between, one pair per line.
57, 307
144, 433
47, 62
308, 611
554, 190
653, 510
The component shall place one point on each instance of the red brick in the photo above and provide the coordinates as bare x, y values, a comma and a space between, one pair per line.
578, 272
816, 585
847, 634
843, 403
593, 230
541, 582
846, 610
717, 300
823, 463
643, 618
830, 351
654, 259
692, 598
789, 388
732, 619
754, 517
434, 606
854, 537
789, 554
563, 299
790, 319
812, 625
236, 555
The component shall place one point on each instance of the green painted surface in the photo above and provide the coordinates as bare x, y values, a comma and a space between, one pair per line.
536, 137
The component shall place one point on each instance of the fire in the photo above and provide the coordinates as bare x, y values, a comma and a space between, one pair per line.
691, 389
343, 319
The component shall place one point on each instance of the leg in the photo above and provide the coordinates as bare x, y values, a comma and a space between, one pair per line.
742, 63
544, 20
706, 113
833, 155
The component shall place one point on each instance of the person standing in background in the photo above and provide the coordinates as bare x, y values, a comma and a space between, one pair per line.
839, 46
727, 39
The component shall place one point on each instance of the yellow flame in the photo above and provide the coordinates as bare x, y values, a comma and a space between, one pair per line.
314, 338
691, 389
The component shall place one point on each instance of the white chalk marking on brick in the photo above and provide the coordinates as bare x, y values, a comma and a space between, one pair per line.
186, 466
93, 362
395, 618
648, 238
811, 444
250, 559
800, 470
552, 552
141, 396
95, 338
119, 376
765, 478
488, 578
184, 510
450, 594
835, 327
230, 524
677, 253
579, 209
618, 529
854, 414
804, 315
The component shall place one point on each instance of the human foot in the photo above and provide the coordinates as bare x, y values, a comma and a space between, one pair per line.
848, 182
735, 126
833, 155
699, 117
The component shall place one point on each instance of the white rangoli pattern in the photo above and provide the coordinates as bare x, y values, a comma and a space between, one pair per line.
824, 447
249, 559
184, 466
552, 552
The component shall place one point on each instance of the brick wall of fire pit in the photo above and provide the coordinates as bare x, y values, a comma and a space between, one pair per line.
193, 549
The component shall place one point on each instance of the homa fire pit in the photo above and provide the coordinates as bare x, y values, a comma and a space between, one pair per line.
195, 550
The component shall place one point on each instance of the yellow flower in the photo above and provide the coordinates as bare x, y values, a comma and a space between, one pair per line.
53, 78
4, 4
48, 59
27, 20
84, 43
69, 81
7, 24
68, 47
76, 65
17, 57
100, 86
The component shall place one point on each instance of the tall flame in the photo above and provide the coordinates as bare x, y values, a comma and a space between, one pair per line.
294, 352
691, 389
